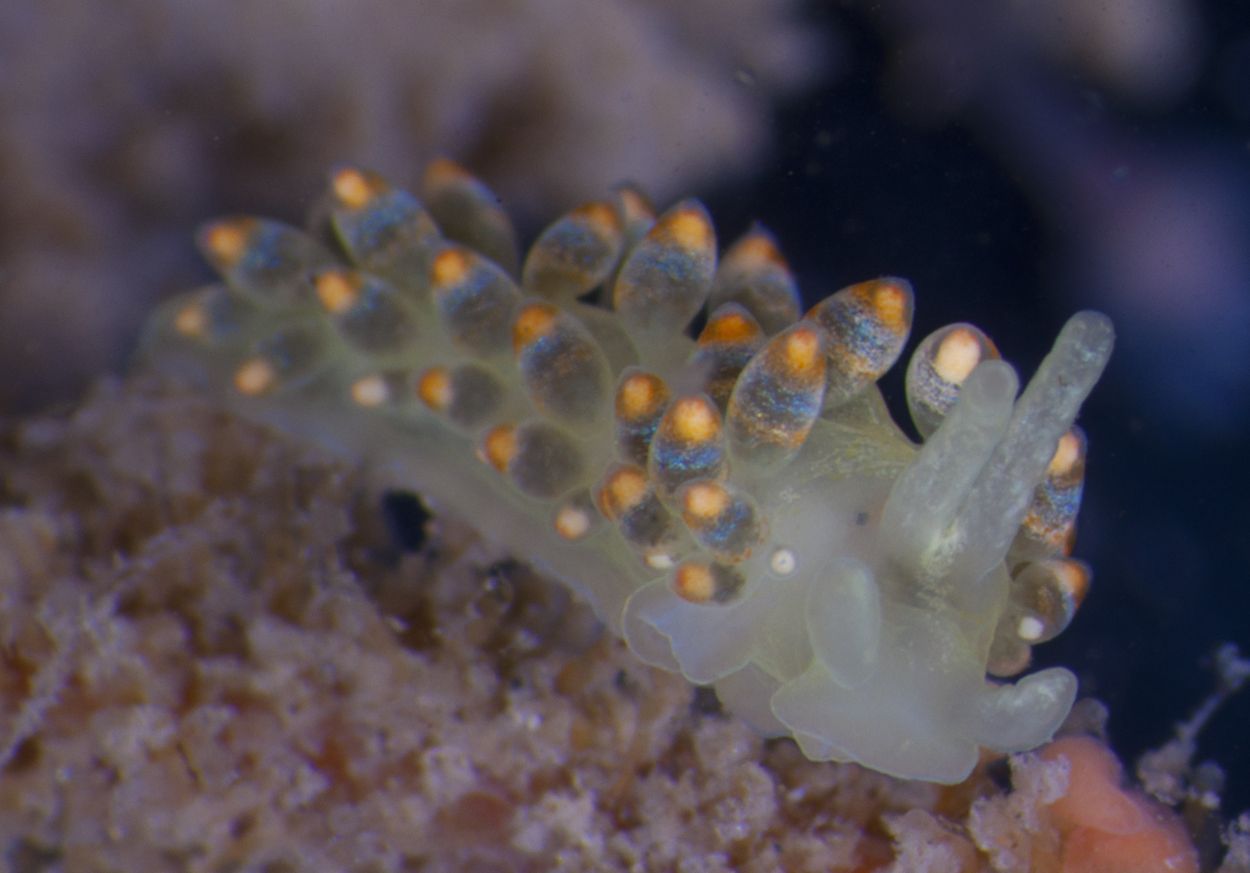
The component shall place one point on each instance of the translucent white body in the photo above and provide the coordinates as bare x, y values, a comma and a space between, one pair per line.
866, 612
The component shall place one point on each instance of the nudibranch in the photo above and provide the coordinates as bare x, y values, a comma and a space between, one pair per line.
739, 506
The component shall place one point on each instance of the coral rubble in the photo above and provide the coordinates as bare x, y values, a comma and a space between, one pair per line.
213, 657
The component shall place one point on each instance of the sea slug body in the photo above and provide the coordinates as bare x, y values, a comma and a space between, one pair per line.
740, 506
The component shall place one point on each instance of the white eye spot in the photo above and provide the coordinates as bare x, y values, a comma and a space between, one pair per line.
572, 522
782, 562
1030, 628
659, 560
370, 391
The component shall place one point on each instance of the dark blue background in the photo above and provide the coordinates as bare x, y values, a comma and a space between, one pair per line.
855, 192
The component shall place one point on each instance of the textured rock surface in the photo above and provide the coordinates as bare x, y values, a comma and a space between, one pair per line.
212, 657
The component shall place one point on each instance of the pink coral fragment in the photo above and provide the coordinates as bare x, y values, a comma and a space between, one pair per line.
1107, 828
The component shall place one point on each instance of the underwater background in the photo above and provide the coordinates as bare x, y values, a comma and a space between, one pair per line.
1013, 191
1015, 164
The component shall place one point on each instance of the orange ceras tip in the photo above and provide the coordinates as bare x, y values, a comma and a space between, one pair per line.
694, 420
694, 582
1051, 591
352, 188
444, 171
434, 388
704, 501
701, 582
754, 250
575, 253
686, 226
337, 290
640, 396
957, 355
1068, 461
532, 323
1073, 579
191, 320
687, 445
867, 325
600, 218
938, 368
801, 353
254, 377
730, 324
891, 302
227, 240
624, 488
499, 447
450, 268
777, 398
634, 205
